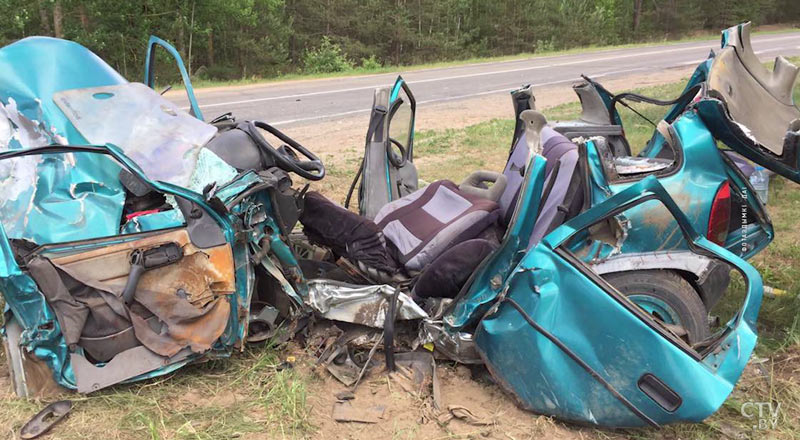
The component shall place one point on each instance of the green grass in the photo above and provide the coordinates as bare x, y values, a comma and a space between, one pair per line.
221, 399
199, 83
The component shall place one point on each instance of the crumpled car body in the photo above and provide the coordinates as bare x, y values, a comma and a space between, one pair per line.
201, 302
62, 210
710, 109
710, 184
523, 312
565, 343
559, 337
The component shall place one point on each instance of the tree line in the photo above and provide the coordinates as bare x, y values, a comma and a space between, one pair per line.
232, 39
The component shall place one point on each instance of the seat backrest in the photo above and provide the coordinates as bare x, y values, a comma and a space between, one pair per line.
425, 223
562, 197
596, 118
555, 147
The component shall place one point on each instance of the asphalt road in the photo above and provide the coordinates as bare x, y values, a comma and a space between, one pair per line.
307, 101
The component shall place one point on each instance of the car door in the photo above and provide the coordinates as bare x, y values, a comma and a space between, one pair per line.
750, 108
566, 343
150, 71
387, 171
72, 322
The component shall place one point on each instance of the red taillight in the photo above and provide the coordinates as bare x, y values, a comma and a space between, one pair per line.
720, 218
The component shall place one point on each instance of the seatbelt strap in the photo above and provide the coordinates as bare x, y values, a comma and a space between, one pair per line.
635, 97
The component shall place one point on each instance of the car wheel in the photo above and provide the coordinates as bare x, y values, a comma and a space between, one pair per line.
668, 298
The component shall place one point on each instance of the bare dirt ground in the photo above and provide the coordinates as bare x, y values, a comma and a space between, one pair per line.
409, 413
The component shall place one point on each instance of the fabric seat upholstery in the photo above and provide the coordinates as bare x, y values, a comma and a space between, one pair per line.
425, 223
564, 197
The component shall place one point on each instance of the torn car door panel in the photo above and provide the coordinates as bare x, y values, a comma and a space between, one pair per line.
541, 345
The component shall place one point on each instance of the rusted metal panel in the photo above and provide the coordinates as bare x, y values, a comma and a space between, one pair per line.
201, 275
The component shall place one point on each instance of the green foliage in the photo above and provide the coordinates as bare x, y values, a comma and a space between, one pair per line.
370, 63
327, 58
236, 39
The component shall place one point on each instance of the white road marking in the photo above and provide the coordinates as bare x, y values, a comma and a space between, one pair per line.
473, 75
758, 52
774, 49
454, 98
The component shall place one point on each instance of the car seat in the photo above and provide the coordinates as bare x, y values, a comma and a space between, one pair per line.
562, 198
418, 226
425, 223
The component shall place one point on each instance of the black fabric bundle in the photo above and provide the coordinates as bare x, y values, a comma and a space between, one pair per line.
347, 234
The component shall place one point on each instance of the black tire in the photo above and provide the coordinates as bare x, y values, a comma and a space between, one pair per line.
669, 288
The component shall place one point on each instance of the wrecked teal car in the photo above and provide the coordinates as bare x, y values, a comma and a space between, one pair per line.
137, 238
697, 152
526, 329
650, 254
127, 249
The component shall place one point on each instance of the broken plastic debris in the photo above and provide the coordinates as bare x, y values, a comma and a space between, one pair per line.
345, 395
46, 419
462, 413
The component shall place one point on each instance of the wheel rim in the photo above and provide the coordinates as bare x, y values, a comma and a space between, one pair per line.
301, 247
657, 308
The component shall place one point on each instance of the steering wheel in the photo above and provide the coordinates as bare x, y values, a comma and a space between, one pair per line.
285, 158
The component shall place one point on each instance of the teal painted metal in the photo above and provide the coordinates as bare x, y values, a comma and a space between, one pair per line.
81, 181
78, 191
693, 186
398, 86
487, 281
27, 305
599, 330
149, 66
24, 303
257, 209
399, 83
42, 335
751, 238
698, 178
77, 188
